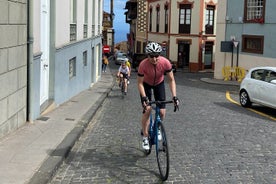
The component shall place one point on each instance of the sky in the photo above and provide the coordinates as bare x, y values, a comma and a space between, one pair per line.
121, 28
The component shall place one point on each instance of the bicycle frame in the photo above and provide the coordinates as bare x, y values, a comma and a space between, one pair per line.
154, 125
154, 122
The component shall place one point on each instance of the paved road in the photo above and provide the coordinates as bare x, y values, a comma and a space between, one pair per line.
211, 141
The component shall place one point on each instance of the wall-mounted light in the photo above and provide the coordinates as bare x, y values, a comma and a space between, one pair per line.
112, 16
228, 19
240, 20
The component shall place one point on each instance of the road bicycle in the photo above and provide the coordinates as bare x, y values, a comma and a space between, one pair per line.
121, 82
157, 137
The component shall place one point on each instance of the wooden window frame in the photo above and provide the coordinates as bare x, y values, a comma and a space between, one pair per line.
185, 17
157, 19
150, 20
166, 8
253, 44
254, 13
210, 18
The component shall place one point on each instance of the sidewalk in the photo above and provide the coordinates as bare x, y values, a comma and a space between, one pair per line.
33, 153
220, 81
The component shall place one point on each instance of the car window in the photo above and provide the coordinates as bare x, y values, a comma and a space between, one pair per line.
122, 55
258, 74
270, 75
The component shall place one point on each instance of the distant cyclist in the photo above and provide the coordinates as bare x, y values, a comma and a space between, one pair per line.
129, 67
151, 76
123, 74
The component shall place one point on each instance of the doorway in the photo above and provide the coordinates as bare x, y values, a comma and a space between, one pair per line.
183, 54
44, 43
208, 55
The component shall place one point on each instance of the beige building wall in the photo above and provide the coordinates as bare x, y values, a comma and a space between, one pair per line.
221, 58
173, 36
13, 65
195, 17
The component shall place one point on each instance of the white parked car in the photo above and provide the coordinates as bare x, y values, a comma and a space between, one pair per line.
121, 57
259, 86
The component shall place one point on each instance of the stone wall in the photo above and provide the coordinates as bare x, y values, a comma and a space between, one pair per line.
13, 65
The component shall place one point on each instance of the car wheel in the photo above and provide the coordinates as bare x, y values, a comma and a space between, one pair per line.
244, 99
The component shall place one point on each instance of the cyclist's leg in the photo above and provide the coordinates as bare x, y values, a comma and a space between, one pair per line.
121, 78
160, 95
125, 79
145, 116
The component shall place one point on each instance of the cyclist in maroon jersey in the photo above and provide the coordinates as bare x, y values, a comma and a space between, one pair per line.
151, 77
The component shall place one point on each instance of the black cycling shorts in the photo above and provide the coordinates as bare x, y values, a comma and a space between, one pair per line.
125, 75
158, 92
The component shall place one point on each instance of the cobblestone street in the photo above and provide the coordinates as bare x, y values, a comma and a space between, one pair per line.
211, 141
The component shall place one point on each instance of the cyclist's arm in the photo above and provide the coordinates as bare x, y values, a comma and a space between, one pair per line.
119, 71
128, 72
172, 83
141, 88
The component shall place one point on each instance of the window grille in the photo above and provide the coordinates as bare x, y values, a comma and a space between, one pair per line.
72, 67
73, 32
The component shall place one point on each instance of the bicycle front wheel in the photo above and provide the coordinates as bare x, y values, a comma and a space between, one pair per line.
162, 152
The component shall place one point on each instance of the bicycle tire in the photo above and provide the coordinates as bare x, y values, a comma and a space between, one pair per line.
162, 153
123, 88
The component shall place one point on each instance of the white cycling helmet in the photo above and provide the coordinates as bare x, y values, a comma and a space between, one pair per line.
153, 47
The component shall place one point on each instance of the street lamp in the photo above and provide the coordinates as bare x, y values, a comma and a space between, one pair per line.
112, 17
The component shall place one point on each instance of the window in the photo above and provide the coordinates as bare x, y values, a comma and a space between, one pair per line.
99, 17
210, 14
254, 11
93, 19
85, 30
252, 44
138, 47
185, 18
72, 67
166, 18
258, 74
84, 57
73, 20
144, 46
150, 20
270, 75
157, 18
85, 19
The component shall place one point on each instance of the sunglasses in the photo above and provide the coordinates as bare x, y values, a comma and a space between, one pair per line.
153, 55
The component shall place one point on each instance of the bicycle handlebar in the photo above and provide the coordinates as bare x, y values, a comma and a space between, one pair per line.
162, 102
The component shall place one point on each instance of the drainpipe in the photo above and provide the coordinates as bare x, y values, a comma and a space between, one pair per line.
29, 60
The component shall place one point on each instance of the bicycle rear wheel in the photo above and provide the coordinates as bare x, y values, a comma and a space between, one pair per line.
162, 153
123, 87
